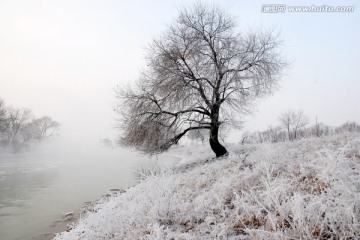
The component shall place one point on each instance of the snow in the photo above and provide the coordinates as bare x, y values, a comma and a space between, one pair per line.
293, 190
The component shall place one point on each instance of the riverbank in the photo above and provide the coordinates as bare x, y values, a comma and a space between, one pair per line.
70, 219
304, 189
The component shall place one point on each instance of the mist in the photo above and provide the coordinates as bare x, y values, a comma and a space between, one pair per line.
39, 185
64, 59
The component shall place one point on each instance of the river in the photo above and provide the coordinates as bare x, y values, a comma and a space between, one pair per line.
38, 187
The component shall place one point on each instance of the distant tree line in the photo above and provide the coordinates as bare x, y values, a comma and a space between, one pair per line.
19, 128
295, 125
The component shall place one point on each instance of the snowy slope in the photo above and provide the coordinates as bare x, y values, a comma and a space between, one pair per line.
295, 190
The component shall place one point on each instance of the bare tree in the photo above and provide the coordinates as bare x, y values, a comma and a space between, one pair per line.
319, 129
286, 122
17, 119
348, 127
300, 121
198, 72
3, 118
45, 126
19, 129
316, 129
107, 142
273, 133
293, 121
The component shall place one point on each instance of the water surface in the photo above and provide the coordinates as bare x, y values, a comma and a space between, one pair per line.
37, 187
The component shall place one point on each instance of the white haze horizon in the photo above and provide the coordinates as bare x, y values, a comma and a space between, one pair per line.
65, 58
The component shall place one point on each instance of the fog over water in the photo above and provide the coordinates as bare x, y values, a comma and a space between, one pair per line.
64, 59
37, 187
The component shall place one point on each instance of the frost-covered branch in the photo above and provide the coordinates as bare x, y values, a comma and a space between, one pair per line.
199, 72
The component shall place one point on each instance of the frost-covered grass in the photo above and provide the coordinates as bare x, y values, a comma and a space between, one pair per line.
308, 189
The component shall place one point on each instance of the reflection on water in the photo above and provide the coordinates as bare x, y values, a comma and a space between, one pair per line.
35, 189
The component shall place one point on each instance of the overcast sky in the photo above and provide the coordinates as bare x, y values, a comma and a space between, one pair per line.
64, 58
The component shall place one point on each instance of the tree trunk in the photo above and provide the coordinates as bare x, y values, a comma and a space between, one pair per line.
289, 134
215, 145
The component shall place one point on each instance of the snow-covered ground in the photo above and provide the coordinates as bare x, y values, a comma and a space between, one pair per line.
307, 189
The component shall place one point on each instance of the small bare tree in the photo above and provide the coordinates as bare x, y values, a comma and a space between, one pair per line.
45, 126
300, 121
17, 120
198, 72
286, 122
3, 118
273, 133
319, 129
293, 121
107, 142
348, 127
19, 129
